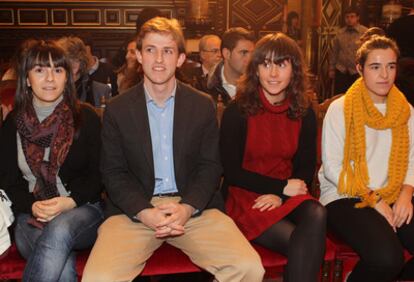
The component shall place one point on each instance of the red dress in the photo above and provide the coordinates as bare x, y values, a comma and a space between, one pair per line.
271, 142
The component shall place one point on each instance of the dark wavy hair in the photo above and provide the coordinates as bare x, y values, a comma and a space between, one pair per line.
280, 47
41, 53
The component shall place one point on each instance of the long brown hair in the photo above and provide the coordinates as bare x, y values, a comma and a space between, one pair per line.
40, 53
279, 47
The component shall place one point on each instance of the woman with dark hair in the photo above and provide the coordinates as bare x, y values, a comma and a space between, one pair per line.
52, 144
367, 177
268, 150
131, 72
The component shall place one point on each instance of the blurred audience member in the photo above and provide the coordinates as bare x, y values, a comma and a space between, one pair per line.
87, 90
99, 71
210, 55
293, 27
236, 48
342, 66
129, 74
145, 15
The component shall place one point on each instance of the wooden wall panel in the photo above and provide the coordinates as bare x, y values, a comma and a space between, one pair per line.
108, 22
261, 16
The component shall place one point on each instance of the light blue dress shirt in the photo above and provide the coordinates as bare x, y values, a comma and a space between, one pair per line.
161, 121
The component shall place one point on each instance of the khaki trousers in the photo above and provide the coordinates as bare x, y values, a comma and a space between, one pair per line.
211, 240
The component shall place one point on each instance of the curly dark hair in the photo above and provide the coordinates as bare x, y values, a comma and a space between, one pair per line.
280, 47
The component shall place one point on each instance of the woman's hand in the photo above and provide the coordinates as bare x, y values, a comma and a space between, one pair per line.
385, 210
295, 187
46, 210
267, 202
403, 207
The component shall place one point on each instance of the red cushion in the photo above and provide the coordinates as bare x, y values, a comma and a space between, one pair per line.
166, 260
12, 265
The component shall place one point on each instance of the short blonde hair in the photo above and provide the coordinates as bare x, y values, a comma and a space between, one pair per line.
164, 26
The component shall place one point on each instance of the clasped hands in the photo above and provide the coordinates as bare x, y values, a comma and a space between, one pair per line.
46, 210
166, 219
268, 202
402, 210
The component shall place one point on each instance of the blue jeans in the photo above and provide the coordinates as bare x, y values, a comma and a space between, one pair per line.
50, 252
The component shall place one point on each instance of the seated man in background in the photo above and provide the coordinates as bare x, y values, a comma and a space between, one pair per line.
210, 55
236, 48
161, 168
87, 90
99, 71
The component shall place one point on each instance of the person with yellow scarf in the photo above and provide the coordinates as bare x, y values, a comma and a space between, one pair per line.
367, 176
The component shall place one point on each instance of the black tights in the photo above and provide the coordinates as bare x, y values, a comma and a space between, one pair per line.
301, 237
372, 238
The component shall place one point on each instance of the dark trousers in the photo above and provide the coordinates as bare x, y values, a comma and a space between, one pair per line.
373, 239
343, 81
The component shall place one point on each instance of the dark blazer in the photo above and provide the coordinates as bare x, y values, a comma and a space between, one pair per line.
127, 160
215, 87
79, 172
105, 74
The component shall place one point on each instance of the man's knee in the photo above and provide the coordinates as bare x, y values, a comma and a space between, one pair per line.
100, 275
250, 267
59, 234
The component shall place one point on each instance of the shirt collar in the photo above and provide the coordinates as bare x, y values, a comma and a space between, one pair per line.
205, 71
223, 79
95, 66
149, 98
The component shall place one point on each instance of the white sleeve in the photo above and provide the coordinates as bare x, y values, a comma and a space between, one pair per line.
333, 140
409, 178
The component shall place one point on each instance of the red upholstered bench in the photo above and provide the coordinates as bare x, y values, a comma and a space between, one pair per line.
12, 264
166, 260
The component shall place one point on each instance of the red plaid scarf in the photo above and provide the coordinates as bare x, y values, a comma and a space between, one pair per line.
55, 132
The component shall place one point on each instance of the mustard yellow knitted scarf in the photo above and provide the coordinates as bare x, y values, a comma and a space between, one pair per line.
360, 111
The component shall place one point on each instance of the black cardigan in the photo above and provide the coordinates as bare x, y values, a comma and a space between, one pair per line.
79, 173
233, 134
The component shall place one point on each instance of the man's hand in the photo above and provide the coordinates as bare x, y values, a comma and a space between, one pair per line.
403, 207
295, 187
47, 210
177, 216
267, 202
151, 217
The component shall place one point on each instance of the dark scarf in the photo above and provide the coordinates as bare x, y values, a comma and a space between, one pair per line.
54, 132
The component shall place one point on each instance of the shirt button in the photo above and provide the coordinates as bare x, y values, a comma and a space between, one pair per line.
163, 115
166, 158
166, 179
164, 136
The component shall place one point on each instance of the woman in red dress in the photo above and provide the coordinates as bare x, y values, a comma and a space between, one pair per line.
268, 150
